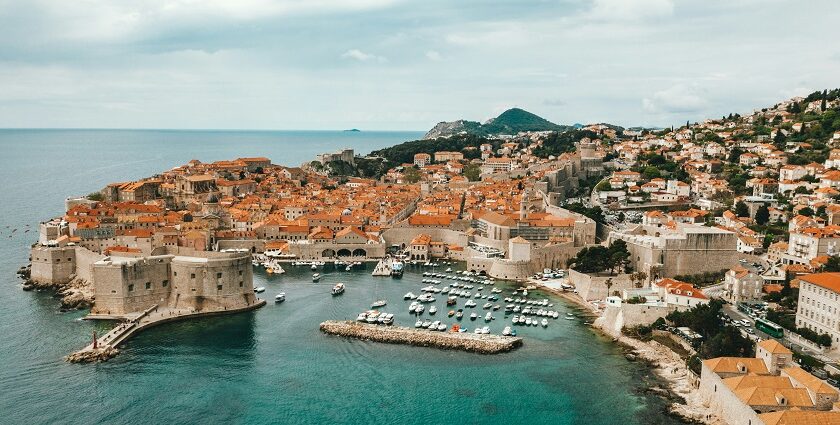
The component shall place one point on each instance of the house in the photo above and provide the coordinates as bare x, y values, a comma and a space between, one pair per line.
422, 159
743, 285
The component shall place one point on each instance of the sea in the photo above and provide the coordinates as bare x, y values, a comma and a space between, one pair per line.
273, 365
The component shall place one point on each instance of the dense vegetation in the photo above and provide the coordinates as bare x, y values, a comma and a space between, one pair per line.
595, 213
562, 142
598, 258
515, 120
404, 152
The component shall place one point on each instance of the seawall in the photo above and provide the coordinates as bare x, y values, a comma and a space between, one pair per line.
482, 344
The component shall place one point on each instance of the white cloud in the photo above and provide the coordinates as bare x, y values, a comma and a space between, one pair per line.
433, 55
623, 10
679, 98
361, 56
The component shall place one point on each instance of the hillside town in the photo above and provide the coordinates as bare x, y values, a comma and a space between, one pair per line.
716, 240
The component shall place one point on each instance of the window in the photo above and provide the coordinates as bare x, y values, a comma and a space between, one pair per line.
218, 275
240, 283
148, 285
130, 287
240, 272
192, 275
165, 283
175, 273
218, 287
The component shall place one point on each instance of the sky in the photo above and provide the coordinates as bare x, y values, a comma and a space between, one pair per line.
404, 65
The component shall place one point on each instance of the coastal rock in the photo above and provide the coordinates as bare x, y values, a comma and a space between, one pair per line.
90, 356
482, 344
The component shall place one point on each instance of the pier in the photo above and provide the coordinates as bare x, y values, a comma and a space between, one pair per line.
383, 268
482, 344
105, 346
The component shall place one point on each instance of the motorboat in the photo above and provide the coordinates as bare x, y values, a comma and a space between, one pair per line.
488, 317
397, 269
314, 267
379, 303
373, 316
409, 296
418, 323
389, 319
544, 323
338, 288
459, 314
316, 277
279, 298
449, 269
441, 327
426, 298
419, 309
451, 300
487, 306
451, 313
259, 289
432, 310
506, 331
470, 303
362, 317
473, 316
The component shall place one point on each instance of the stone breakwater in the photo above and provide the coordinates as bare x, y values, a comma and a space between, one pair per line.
482, 344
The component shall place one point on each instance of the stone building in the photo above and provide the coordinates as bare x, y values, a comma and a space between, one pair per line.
198, 281
766, 389
678, 249
743, 284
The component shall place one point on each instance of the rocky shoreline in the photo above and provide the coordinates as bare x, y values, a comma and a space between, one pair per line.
77, 294
670, 370
481, 344
89, 356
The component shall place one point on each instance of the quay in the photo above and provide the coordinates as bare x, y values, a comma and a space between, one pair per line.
383, 268
105, 346
482, 344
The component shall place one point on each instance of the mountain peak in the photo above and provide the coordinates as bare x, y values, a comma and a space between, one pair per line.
511, 121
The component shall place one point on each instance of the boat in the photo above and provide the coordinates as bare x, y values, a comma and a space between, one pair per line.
442, 327
362, 317
506, 331
459, 314
259, 289
373, 316
418, 323
544, 323
470, 303
279, 298
451, 313
570, 318
255, 263
419, 309
449, 269
432, 310
316, 277
348, 268
389, 319
527, 321
409, 296
426, 298
487, 306
338, 288
377, 304
451, 300
413, 307
427, 323
488, 317
314, 267
397, 269
473, 316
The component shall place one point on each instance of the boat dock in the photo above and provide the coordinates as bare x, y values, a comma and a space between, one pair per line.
105, 346
475, 343
383, 268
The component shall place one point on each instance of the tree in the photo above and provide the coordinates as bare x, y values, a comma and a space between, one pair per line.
608, 283
741, 209
832, 265
411, 175
604, 185
619, 255
95, 196
762, 215
472, 172
651, 172
807, 212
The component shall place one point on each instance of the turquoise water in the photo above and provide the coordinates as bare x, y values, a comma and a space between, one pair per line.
271, 365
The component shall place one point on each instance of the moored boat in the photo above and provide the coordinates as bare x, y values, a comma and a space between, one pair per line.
279, 298
379, 303
338, 288
316, 277
259, 289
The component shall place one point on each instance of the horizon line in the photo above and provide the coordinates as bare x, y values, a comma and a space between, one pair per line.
346, 130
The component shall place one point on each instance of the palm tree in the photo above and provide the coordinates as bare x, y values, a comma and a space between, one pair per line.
609, 284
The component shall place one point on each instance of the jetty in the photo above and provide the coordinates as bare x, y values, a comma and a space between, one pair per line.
383, 268
105, 347
481, 344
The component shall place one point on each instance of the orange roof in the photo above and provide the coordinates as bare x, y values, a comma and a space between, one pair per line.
800, 417
774, 347
830, 281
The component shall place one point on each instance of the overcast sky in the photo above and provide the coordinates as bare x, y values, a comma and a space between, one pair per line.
404, 65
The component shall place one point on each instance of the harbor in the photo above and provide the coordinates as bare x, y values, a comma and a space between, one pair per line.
476, 343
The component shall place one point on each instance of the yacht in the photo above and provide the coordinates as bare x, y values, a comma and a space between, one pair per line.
397, 268
279, 298
338, 288
432, 310
259, 289
380, 303
316, 277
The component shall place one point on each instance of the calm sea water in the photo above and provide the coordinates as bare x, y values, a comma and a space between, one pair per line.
271, 365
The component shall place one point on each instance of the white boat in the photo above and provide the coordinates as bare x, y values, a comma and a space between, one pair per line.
426, 298
379, 303
418, 323
316, 277
487, 305
338, 288
348, 268
506, 331
362, 317
470, 303
473, 316
279, 298
441, 327
432, 310
527, 320
259, 289
409, 296
544, 323
449, 269
488, 317
413, 307
389, 319
555, 314
419, 309
314, 267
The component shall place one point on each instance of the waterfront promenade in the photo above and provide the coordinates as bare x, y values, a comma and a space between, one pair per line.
106, 345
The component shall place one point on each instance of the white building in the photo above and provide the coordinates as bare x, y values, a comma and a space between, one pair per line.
819, 304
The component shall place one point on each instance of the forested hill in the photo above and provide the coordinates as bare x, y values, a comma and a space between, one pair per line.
511, 121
